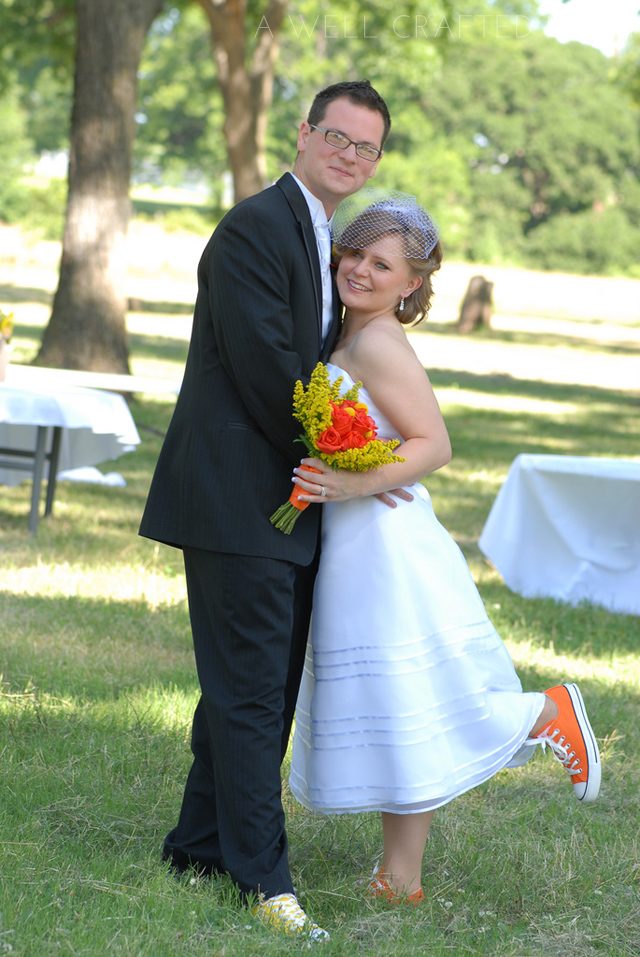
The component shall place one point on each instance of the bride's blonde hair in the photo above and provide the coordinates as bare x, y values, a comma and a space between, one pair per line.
417, 305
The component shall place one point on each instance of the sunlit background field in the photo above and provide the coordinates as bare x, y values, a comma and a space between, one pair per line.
98, 682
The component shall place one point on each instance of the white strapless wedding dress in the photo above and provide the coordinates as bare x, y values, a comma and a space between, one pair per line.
408, 697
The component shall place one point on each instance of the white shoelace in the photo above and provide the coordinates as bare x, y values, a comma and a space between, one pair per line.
560, 750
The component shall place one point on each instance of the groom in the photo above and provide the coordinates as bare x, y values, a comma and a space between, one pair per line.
265, 313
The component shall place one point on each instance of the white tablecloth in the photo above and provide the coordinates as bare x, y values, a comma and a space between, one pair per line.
568, 527
97, 426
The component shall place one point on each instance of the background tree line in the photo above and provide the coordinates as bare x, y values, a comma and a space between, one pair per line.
525, 149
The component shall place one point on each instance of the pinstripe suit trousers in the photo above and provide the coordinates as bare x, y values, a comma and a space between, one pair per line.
250, 619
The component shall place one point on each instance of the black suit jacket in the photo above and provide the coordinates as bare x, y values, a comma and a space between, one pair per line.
226, 461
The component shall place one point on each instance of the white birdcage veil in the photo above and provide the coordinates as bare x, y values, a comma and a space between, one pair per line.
363, 218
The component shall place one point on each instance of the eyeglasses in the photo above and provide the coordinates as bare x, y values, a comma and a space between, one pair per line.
341, 142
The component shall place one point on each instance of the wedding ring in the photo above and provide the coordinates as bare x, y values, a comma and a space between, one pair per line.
323, 491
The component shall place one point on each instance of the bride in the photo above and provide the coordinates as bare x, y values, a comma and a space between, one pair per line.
409, 697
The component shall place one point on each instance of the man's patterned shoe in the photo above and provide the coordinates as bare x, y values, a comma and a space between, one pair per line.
284, 913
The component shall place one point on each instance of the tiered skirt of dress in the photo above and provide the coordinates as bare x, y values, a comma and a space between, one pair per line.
409, 697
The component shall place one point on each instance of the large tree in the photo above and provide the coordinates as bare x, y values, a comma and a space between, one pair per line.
87, 325
245, 59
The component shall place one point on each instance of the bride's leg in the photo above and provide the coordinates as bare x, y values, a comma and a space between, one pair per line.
548, 713
405, 837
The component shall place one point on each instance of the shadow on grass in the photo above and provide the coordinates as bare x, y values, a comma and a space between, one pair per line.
578, 631
156, 306
527, 338
99, 521
71, 644
151, 207
158, 348
598, 422
100, 648
19, 294
100, 776
504, 384
24, 294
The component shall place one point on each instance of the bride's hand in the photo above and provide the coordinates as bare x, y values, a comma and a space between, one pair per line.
338, 485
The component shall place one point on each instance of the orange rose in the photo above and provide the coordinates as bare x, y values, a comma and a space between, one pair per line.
355, 440
329, 441
364, 424
341, 420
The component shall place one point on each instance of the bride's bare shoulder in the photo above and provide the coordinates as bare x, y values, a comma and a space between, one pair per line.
380, 345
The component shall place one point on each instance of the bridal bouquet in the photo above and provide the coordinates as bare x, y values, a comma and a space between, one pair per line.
337, 429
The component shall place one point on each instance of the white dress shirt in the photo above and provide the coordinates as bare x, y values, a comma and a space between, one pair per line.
322, 229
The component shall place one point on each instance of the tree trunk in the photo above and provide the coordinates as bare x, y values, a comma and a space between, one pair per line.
477, 305
247, 87
87, 325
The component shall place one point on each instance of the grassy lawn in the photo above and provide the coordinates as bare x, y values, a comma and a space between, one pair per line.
97, 682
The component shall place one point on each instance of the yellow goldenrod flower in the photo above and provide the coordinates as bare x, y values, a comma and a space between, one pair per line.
6, 325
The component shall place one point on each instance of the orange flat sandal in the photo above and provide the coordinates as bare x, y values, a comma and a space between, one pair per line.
379, 886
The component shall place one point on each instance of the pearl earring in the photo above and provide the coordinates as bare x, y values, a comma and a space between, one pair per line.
401, 305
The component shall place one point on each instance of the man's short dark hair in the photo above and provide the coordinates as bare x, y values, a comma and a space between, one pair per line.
359, 92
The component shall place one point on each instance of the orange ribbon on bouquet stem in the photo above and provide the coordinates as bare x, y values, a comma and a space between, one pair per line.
285, 517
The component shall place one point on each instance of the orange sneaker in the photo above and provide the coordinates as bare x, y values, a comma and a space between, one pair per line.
573, 742
379, 886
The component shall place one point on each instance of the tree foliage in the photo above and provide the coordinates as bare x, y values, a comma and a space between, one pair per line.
36, 58
627, 68
180, 109
13, 130
508, 136
546, 137
36, 32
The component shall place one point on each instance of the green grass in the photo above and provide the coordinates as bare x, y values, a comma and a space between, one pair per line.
98, 687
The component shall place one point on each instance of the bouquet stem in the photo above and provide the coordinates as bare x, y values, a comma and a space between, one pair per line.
285, 517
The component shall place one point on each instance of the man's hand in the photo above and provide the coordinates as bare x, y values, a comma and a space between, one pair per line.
385, 497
